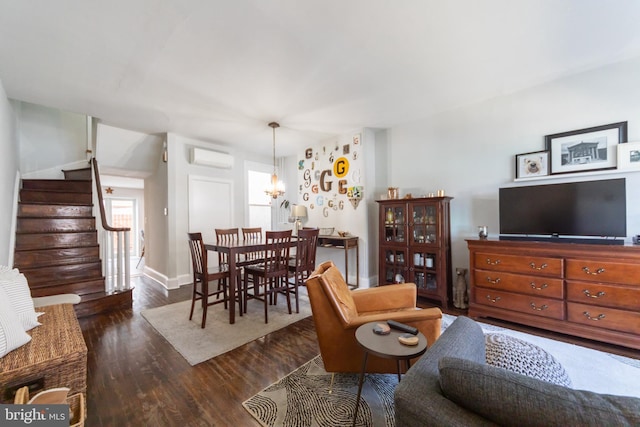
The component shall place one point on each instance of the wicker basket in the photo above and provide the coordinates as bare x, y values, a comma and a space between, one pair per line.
56, 356
77, 407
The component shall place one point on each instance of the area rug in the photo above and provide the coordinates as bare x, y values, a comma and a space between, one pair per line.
197, 345
302, 399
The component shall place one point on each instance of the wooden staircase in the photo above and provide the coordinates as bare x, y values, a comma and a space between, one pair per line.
57, 242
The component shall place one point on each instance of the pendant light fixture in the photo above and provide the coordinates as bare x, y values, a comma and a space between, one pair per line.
277, 187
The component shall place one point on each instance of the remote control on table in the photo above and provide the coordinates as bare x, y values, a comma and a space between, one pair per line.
402, 327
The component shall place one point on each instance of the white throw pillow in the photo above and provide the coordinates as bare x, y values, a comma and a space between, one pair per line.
12, 335
19, 294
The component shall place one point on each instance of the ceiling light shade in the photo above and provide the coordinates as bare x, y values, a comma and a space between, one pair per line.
277, 187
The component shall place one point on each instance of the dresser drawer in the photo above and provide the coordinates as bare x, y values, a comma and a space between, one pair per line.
603, 271
603, 317
521, 303
546, 287
544, 266
603, 294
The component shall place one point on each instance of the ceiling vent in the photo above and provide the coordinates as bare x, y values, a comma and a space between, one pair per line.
211, 158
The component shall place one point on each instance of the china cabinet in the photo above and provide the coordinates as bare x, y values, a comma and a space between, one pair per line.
415, 245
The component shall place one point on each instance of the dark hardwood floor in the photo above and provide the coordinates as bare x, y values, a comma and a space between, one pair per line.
135, 378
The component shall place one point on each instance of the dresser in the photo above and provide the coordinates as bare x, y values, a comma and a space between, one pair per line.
587, 290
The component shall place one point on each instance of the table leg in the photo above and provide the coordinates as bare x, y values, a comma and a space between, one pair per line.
357, 266
364, 366
399, 371
232, 287
346, 262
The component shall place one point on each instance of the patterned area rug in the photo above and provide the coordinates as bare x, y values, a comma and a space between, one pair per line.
301, 398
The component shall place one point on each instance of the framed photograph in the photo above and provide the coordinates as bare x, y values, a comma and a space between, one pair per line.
585, 149
629, 156
532, 164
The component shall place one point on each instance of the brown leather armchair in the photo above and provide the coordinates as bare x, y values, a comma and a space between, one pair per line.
338, 311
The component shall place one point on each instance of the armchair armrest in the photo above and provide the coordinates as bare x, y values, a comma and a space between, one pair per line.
385, 297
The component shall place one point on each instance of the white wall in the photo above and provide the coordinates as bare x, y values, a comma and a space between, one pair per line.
469, 152
8, 171
50, 138
177, 263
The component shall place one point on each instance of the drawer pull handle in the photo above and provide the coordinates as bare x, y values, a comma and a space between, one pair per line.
496, 262
541, 308
494, 281
538, 288
494, 300
595, 273
588, 316
542, 267
590, 295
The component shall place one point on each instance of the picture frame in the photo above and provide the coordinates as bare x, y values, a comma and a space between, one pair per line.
589, 149
629, 156
529, 165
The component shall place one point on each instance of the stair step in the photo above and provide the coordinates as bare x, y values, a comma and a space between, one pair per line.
102, 302
78, 288
55, 240
66, 185
54, 225
58, 256
44, 196
38, 210
62, 274
84, 173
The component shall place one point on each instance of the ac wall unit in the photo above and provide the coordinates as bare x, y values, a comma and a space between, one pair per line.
214, 159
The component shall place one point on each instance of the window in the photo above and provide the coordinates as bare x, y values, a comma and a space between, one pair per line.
259, 204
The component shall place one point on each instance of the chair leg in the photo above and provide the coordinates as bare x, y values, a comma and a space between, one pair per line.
333, 376
205, 302
193, 300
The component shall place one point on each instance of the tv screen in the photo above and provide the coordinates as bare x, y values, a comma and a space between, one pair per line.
588, 208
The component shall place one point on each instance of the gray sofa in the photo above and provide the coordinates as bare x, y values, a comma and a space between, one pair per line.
451, 385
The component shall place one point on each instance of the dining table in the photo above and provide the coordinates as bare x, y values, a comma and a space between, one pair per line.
234, 250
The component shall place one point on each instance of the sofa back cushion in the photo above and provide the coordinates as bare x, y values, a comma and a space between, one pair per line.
509, 398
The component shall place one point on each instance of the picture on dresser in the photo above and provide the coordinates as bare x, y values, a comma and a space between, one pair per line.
629, 156
588, 149
529, 165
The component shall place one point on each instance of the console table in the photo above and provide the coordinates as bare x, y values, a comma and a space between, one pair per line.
586, 290
345, 243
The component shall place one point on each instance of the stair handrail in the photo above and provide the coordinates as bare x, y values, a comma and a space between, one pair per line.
103, 216
120, 279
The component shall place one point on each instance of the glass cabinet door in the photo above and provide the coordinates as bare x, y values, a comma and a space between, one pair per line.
423, 265
423, 227
395, 265
395, 224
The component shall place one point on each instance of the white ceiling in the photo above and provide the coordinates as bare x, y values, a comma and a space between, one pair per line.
221, 70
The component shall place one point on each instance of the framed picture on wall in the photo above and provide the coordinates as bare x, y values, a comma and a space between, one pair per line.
629, 156
529, 165
583, 150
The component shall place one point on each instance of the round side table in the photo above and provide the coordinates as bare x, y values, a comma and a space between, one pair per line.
385, 346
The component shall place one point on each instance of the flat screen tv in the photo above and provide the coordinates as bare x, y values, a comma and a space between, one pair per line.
576, 209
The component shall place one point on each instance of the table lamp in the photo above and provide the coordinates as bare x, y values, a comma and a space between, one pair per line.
298, 212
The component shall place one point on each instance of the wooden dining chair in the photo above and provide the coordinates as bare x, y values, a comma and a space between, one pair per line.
304, 262
252, 233
202, 276
225, 236
268, 278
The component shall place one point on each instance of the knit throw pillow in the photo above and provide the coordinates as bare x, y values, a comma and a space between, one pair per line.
528, 359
